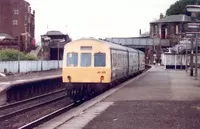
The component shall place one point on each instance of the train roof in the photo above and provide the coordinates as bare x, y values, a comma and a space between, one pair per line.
112, 45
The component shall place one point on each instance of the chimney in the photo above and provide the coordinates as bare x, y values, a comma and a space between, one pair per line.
140, 32
161, 16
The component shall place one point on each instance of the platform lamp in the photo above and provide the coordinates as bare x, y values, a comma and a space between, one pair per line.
194, 35
194, 9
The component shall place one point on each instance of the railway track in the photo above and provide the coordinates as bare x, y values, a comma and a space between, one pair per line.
47, 117
11, 105
17, 112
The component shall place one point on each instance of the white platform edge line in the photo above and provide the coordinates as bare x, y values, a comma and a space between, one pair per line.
83, 119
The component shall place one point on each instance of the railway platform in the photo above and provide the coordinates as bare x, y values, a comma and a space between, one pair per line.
14, 81
25, 76
160, 99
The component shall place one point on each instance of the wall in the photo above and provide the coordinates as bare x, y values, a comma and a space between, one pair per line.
5, 17
29, 66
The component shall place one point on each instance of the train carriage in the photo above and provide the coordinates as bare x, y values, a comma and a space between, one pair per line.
141, 61
97, 64
133, 61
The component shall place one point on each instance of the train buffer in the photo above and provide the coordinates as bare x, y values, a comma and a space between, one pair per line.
159, 99
22, 85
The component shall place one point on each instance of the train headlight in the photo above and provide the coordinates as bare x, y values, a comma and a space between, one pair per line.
102, 78
69, 78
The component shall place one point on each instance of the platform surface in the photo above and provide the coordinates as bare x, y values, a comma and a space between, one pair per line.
30, 75
6, 82
161, 99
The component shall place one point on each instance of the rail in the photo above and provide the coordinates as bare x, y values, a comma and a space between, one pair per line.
26, 109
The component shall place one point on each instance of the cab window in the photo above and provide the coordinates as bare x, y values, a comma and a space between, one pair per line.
99, 59
72, 59
86, 59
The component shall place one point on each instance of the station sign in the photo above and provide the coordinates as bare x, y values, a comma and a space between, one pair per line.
189, 35
193, 24
193, 8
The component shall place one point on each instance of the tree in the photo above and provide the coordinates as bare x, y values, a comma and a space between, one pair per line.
13, 55
179, 7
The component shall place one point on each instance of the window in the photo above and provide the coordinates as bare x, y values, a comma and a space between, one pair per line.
114, 60
72, 59
26, 18
15, 22
155, 30
16, 11
99, 59
176, 29
86, 59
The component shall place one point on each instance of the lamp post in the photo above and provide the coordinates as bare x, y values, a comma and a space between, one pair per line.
194, 9
58, 50
186, 47
194, 38
42, 59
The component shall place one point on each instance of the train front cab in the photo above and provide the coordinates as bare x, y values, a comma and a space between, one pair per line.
86, 62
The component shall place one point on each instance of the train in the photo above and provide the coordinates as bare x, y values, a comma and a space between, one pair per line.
91, 66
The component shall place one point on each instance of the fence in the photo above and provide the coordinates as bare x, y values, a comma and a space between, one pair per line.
177, 61
29, 66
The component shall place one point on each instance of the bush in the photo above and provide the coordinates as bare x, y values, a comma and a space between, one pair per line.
12, 55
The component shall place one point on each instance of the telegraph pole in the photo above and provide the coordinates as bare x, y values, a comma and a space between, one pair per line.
191, 57
186, 61
196, 59
58, 45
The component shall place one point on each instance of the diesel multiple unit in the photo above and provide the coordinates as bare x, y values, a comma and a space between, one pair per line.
94, 65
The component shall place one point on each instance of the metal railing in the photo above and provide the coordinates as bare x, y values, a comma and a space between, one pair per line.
140, 41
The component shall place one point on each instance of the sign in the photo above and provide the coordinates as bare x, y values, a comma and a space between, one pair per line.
193, 8
184, 41
193, 27
193, 24
192, 32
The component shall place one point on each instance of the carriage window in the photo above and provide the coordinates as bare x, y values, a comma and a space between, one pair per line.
72, 59
99, 59
86, 59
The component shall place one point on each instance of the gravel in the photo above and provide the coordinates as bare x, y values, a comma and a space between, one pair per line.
22, 119
31, 103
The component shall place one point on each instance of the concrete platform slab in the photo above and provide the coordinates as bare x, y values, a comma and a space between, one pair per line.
148, 115
161, 99
160, 84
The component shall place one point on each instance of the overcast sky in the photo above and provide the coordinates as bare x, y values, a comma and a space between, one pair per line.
97, 18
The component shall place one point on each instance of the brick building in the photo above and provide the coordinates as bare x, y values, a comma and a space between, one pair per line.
17, 19
170, 27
